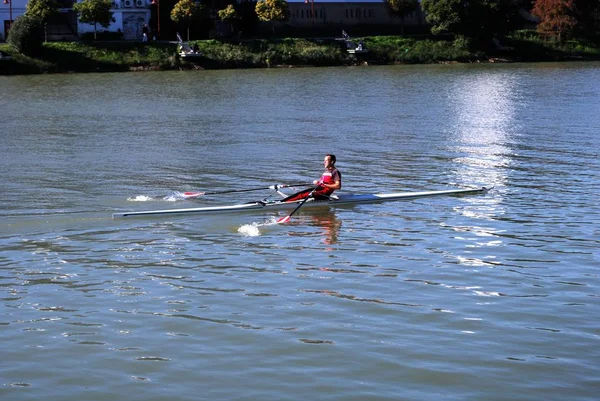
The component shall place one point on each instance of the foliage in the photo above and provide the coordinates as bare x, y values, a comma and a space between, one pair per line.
228, 14
481, 19
557, 17
265, 53
102, 35
96, 12
530, 45
461, 43
248, 19
187, 11
272, 10
42, 10
109, 56
588, 12
403, 8
128, 56
26, 35
394, 49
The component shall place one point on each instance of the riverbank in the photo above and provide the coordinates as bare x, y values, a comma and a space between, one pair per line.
61, 57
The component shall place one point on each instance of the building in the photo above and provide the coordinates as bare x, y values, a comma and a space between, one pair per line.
9, 11
348, 14
131, 15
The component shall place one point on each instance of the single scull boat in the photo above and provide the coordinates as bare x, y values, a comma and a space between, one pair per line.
279, 205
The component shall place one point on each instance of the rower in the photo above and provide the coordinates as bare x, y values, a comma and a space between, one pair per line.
330, 180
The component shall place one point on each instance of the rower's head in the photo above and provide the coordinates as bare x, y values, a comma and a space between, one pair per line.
329, 160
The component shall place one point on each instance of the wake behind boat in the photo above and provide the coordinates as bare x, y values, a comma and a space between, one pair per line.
310, 203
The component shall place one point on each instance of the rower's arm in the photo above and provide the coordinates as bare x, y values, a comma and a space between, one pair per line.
336, 185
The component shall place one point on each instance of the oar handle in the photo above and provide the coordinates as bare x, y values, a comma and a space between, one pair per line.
277, 186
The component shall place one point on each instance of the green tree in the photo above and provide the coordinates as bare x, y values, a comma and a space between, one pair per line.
272, 10
42, 10
187, 11
402, 8
228, 15
480, 19
25, 35
96, 12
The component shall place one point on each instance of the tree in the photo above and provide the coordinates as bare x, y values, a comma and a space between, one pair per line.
561, 18
95, 12
403, 8
248, 21
25, 35
272, 10
474, 19
187, 11
42, 10
557, 17
588, 12
228, 15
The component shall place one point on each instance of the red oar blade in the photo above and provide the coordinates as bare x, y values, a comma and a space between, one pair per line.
284, 219
192, 194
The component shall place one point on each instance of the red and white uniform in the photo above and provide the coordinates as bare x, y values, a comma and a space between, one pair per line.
329, 177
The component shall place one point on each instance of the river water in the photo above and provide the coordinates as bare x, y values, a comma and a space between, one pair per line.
479, 297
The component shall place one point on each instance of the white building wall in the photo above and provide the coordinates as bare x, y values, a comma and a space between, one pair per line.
348, 13
18, 9
130, 17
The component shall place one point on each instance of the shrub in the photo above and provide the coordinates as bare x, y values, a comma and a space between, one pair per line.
26, 35
102, 36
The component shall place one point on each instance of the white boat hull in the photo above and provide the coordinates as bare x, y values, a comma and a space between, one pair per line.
277, 205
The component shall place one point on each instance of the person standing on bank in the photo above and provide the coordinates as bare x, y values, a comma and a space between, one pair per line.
330, 180
145, 32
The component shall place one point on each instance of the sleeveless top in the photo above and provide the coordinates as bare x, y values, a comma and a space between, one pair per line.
329, 177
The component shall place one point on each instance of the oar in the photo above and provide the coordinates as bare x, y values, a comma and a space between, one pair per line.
274, 187
289, 216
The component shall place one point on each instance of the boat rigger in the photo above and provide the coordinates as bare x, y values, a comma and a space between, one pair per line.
310, 203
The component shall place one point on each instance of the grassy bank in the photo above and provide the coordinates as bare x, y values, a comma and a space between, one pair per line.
130, 56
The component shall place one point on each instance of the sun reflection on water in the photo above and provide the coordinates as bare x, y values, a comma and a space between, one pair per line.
484, 127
